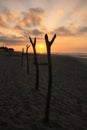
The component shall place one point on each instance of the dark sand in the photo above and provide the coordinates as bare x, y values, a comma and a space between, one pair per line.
22, 107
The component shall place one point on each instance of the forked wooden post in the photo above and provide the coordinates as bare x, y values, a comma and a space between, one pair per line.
48, 46
27, 46
36, 62
22, 55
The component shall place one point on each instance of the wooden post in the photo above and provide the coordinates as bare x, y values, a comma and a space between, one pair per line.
27, 46
36, 62
48, 46
22, 55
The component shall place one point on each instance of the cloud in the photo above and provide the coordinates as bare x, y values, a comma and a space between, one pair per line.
10, 15
8, 18
82, 30
84, 16
18, 27
31, 19
37, 10
81, 3
36, 32
79, 17
60, 13
3, 22
63, 31
71, 30
26, 32
11, 40
32, 32
18, 40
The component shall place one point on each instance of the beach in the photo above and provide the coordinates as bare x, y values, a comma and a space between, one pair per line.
22, 107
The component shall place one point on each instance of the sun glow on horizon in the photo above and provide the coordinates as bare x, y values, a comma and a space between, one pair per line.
41, 48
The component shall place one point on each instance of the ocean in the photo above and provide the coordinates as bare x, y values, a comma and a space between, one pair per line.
77, 54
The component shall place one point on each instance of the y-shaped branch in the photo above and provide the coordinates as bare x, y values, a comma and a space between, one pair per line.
36, 62
48, 45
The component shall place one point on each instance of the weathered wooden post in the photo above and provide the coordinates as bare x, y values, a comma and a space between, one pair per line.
48, 46
36, 62
22, 55
27, 46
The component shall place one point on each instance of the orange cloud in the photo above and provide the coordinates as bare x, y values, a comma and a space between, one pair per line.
10, 15
3, 22
60, 13
8, 19
85, 16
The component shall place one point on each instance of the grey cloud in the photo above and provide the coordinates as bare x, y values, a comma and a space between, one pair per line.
79, 4
82, 30
82, 2
18, 27
36, 32
25, 32
31, 19
37, 10
11, 40
67, 31
63, 31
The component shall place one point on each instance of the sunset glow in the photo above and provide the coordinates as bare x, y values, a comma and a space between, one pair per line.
41, 48
67, 19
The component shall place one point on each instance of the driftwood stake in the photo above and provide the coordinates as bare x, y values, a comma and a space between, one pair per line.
48, 46
36, 62
22, 55
27, 46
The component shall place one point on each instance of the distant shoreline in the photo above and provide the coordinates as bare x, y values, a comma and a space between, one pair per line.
74, 54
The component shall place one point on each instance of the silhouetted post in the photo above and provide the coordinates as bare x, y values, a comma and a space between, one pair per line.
22, 55
27, 46
36, 62
48, 46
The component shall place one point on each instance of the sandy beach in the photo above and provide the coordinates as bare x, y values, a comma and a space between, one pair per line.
22, 107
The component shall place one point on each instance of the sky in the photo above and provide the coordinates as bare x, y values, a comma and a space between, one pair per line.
20, 19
